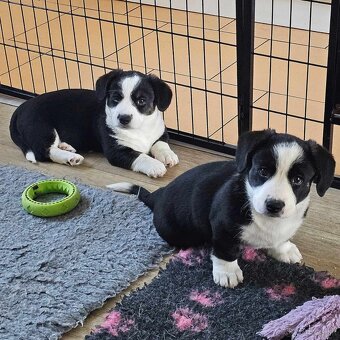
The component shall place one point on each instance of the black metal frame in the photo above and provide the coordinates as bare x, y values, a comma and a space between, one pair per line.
245, 22
245, 10
332, 102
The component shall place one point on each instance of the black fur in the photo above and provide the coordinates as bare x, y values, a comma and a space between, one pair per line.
209, 204
79, 117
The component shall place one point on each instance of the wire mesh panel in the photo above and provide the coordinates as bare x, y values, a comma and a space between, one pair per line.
291, 67
191, 44
49, 45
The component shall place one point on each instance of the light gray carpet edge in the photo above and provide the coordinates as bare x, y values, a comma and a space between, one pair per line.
55, 271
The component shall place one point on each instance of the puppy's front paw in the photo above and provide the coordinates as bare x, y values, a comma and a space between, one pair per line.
75, 159
226, 274
167, 157
155, 169
149, 166
287, 252
162, 152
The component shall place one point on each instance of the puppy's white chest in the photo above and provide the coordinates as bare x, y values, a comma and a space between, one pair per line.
143, 138
270, 232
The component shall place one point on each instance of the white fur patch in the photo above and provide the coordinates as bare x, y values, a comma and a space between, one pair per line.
141, 139
270, 232
143, 130
226, 274
121, 187
161, 151
67, 147
30, 156
60, 156
287, 252
65, 157
149, 166
277, 187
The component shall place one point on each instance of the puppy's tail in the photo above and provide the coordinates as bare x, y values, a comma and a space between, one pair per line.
142, 194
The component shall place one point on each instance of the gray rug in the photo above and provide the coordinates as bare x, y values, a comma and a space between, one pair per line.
54, 271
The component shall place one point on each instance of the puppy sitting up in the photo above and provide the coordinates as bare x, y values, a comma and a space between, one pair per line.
259, 199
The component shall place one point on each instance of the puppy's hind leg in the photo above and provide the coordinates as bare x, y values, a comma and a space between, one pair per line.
66, 147
63, 156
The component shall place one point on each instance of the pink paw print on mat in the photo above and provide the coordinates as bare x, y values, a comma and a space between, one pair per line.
326, 281
250, 254
206, 298
187, 320
281, 292
116, 324
190, 257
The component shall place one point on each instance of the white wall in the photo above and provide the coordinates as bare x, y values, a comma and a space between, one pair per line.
263, 11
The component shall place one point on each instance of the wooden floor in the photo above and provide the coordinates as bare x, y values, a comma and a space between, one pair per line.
49, 45
318, 239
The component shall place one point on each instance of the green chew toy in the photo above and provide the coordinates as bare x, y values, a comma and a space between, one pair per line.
54, 208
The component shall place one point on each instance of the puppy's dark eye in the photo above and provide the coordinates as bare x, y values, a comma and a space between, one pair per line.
140, 101
116, 97
263, 172
297, 180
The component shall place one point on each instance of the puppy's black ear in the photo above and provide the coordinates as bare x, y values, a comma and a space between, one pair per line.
104, 82
247, 144
324, 165
163, 93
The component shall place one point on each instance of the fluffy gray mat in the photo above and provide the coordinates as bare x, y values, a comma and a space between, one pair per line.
54, 271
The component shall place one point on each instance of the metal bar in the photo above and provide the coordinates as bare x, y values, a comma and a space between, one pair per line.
245, 20
332, 84
307, 80
288, 70
51, 44
220, 69
75, 44
202, 142
5, 52
270, 65
18, 93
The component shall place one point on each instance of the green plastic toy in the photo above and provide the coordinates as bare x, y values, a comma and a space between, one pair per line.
54, 208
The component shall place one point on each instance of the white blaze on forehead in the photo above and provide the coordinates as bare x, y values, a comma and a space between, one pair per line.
286, 155
278, 187
125, 106
129, 84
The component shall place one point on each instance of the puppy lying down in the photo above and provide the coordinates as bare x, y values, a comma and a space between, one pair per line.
122, 118
259, 199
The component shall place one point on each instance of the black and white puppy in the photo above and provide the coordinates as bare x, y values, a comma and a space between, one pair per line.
122, 118
259, 199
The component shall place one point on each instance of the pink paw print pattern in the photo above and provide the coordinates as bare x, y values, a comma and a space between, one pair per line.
187, 320
115, 324
326, 281
281, 292
190, 257
250, 254
206, 298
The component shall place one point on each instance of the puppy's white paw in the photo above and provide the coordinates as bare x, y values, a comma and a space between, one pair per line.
167, 157
162, 152
149, 166
66, 147
75, 159
226, 274
287, 252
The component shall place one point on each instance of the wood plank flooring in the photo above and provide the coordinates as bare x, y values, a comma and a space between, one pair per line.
318, 239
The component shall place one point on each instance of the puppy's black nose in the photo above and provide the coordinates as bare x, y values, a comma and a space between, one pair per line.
124, 119
274, 206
